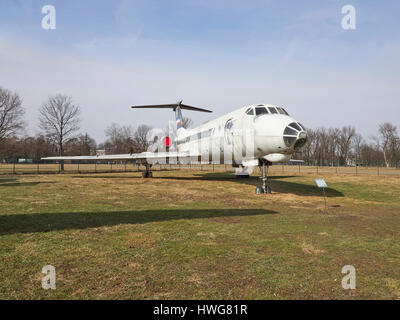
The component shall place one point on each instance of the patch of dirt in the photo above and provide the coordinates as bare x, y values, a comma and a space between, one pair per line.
134, 265
310, 249
195, 279
207, 235
393, 285
225, 220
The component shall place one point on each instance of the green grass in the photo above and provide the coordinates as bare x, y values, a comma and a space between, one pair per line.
189, 235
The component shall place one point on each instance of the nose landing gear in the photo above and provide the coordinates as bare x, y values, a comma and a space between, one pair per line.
264, 188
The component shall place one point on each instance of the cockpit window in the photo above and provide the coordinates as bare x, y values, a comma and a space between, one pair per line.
295, 125
302, 126
280, 110
250, 111
272, 110
285, 112
261, 110
290, 131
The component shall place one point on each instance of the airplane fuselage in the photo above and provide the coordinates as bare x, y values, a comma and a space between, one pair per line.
253, 132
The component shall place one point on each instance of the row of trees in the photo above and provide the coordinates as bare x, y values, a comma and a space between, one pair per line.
59, 121
335, 146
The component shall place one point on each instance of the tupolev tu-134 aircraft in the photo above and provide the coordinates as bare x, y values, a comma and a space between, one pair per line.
255, 135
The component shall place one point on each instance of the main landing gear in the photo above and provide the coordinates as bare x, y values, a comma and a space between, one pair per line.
147, 173
264, 188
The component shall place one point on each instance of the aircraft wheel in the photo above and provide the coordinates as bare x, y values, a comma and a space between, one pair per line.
144, 174
268, 190
259, 190
150, 175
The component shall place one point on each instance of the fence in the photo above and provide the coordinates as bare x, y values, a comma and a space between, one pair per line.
46, 168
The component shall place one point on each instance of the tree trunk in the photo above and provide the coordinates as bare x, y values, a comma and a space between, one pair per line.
385, 158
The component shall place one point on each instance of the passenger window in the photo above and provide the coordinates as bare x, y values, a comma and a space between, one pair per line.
272, 110
250, 111
261, 110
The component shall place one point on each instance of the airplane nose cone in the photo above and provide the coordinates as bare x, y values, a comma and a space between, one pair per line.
279, 133
294, 136
301, 140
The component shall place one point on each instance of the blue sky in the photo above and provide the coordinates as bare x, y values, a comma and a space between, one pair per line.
221, 54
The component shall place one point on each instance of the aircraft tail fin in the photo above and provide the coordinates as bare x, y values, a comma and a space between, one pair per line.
177, 107
179, 119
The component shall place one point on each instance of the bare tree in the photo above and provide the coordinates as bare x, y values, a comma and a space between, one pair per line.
119, 139
59, 118
141, 138
389, 142
333, 139
357, 145
187, 122
112, 133
11, 113
83, 145
345, 141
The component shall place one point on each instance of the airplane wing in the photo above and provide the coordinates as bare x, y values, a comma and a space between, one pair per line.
146, 156
296, 161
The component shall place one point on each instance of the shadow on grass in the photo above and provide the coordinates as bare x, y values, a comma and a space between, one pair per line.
277, 183
96, 176
22, 184
7, 180
45, 222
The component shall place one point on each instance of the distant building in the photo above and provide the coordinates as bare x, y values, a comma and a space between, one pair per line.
24, 160
353, 162
100, 152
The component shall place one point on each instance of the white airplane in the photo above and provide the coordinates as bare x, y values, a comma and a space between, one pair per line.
255, 135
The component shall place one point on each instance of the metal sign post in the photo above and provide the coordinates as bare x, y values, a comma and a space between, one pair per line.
322, 184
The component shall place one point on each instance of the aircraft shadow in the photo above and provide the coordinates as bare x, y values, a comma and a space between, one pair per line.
5, 180
277, 183
45, 222
21, 184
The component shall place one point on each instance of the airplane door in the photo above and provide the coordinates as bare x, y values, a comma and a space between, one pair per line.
237, 140
233, 138
228, 139
247, 136
228, 132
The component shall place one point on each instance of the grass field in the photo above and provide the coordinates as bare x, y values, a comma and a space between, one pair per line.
27, 168
197, 235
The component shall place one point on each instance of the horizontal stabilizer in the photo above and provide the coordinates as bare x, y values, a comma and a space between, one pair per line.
172, 106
